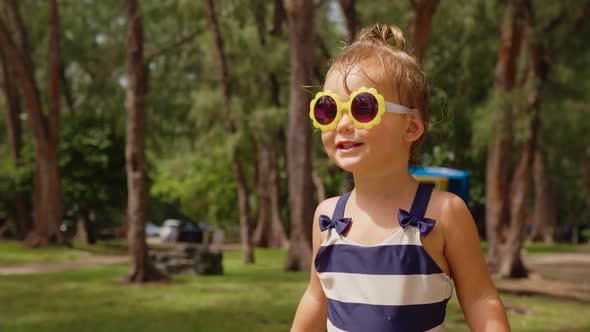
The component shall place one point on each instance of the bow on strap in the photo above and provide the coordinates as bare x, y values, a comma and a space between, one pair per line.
339, 224
424, 225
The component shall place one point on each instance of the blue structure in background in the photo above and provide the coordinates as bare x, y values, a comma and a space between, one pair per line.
448, 179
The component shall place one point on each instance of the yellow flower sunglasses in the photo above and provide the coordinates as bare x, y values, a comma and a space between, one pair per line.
365, 107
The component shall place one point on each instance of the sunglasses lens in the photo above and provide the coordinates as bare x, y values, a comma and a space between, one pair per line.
364, 107
325, 110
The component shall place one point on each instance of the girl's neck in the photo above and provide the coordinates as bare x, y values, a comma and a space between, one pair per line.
393, 184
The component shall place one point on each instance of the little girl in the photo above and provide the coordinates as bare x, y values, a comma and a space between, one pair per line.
387, 253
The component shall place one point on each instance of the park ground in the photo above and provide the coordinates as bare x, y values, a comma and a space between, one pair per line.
82, 289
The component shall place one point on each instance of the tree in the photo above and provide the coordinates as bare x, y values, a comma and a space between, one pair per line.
421, 27
544, 59
237, 169
14, 132
300, 20
497, 208
506, 239
348, 8
47, 199
92, 161
269, 137
141, 269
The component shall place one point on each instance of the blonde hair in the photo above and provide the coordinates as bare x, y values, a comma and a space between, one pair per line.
399, 70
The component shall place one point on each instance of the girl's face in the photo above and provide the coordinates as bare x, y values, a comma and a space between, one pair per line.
369, 151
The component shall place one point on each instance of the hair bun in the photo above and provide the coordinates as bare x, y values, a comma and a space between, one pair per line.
381, 33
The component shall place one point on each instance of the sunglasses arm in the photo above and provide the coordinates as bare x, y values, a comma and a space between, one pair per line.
396, 108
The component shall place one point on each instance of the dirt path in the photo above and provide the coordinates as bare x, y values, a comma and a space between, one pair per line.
562, 276
573, 267
54, 267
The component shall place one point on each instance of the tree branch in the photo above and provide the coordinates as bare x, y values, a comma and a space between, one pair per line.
555, 20
259, 20
67, 89
26, 78
578, 21
21, 31
279, 17
166, 48
349, 10
54, 71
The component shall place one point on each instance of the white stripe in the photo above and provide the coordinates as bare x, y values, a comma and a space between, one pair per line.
332, 328
408, 236
386, 289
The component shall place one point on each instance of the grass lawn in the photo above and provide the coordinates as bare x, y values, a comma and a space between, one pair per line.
247, 298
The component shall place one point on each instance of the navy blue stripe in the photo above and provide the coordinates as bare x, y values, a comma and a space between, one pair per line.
389, 259
355, 317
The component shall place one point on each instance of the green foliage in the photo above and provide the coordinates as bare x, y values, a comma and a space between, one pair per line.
188, 150
201, 187
92, 164
15, 179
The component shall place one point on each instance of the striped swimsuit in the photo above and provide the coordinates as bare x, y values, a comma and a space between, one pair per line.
392, 286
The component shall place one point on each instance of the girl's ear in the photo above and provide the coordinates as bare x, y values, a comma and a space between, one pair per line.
414, 130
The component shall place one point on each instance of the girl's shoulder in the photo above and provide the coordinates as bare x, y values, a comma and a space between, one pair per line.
326, 207
449, 210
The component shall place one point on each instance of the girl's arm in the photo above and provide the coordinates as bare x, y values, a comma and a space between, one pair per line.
312, 311
481, 304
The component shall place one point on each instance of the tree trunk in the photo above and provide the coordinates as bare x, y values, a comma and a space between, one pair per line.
14, 132
351, 21
497, 204
279, 236
300, 18
237, 170
261, 234
86, 227
269, 230
81, 232
244, 207
47, 200
421, 27
510, 262
141, 268
585, 172
320, 188
545, 217
47, 225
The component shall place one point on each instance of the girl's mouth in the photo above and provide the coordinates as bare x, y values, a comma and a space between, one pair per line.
348, 146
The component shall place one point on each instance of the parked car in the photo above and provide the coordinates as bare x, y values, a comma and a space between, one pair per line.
152, 230
175, 230
190, 232
169, 230
106, 228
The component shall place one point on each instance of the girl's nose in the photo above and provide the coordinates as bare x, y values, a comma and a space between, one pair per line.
345, 125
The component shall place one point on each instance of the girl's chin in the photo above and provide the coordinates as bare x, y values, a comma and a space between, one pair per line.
352, 165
